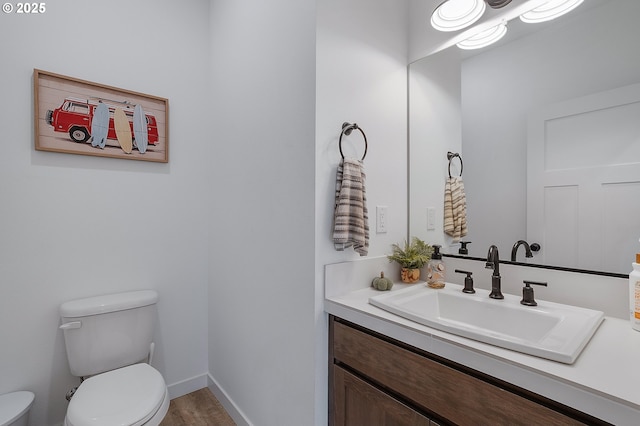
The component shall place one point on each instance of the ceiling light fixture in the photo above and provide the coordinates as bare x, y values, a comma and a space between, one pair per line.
453, 15
484, 38
497, 4
549, 11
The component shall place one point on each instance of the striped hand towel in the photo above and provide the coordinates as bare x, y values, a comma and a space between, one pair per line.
455, 209
350, 219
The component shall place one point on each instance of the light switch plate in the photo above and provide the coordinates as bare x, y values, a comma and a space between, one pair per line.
381, 219
431, 218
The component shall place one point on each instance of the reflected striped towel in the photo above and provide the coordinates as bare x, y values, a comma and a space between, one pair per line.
455, 209
350, 218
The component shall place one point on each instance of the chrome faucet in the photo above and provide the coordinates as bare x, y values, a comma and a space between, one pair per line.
527, 250
493, 262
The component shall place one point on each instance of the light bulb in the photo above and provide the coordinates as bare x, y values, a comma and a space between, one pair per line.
453, 15
550, 10
484, 38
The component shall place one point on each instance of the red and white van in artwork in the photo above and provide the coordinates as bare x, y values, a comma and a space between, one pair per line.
74, 117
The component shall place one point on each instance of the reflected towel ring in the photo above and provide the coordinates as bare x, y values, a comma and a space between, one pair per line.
451, 156
346, 130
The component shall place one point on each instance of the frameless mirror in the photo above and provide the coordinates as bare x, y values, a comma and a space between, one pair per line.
547, 124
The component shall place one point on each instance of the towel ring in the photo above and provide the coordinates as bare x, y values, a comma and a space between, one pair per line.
347, 128
451, 156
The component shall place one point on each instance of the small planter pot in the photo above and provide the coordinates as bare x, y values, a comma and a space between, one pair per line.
409, 276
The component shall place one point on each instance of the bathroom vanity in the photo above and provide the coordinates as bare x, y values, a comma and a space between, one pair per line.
376, 380
385, 369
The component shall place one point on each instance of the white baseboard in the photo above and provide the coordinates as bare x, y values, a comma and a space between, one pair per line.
205, 380
236, 414
186, 386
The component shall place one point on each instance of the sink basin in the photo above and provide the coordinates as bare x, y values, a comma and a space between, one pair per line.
550, 330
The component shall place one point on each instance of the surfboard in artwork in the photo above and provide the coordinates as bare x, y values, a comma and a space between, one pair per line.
100, 125
123, 130
140, 129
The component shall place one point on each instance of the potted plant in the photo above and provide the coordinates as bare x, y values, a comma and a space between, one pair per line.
411, 258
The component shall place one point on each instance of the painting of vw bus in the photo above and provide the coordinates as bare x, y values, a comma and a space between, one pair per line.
80, 117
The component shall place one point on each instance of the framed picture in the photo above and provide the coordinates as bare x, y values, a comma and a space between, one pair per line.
81, 117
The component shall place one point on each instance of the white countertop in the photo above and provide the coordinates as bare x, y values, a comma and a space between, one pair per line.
603, 382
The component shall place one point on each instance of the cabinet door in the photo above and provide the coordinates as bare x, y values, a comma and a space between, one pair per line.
434, 387
358, 403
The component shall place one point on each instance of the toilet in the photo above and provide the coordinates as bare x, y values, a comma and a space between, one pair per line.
109, 345
14, 408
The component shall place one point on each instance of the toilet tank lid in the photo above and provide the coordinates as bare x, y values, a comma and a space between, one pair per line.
108, 303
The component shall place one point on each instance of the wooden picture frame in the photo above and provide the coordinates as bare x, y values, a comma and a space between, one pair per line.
71, 116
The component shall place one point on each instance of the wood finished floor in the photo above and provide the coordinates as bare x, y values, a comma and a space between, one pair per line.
199, 408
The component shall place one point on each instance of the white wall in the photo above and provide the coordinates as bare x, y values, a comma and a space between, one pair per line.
423, 39
261, 290
434, 130
500, 86
67, 227
559, 70
362, 78
240, 218
267, 345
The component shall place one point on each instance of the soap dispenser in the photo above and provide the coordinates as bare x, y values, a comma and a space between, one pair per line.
435, 269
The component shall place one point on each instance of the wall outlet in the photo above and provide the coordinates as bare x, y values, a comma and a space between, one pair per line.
431, 218
381, 219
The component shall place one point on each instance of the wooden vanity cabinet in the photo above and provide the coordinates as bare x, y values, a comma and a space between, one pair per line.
365, 404
377, 381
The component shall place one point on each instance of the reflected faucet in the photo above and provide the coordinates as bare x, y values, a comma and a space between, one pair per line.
493, 262
527, 249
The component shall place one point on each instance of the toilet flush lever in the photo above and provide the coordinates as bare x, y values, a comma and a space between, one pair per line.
71, 325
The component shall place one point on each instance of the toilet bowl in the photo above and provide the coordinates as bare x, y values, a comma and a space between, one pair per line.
109, 344
129, 396
14, 408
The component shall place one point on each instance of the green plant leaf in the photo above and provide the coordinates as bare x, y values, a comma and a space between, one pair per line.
413, 255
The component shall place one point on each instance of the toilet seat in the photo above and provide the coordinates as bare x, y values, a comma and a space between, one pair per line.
130, 396
13, 405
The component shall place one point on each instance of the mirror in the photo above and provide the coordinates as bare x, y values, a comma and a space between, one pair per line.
547, 124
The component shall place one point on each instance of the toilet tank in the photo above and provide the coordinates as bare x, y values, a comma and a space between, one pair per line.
103, 333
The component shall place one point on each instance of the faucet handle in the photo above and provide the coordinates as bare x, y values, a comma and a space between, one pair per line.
468, 281
527, 292
463, 247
